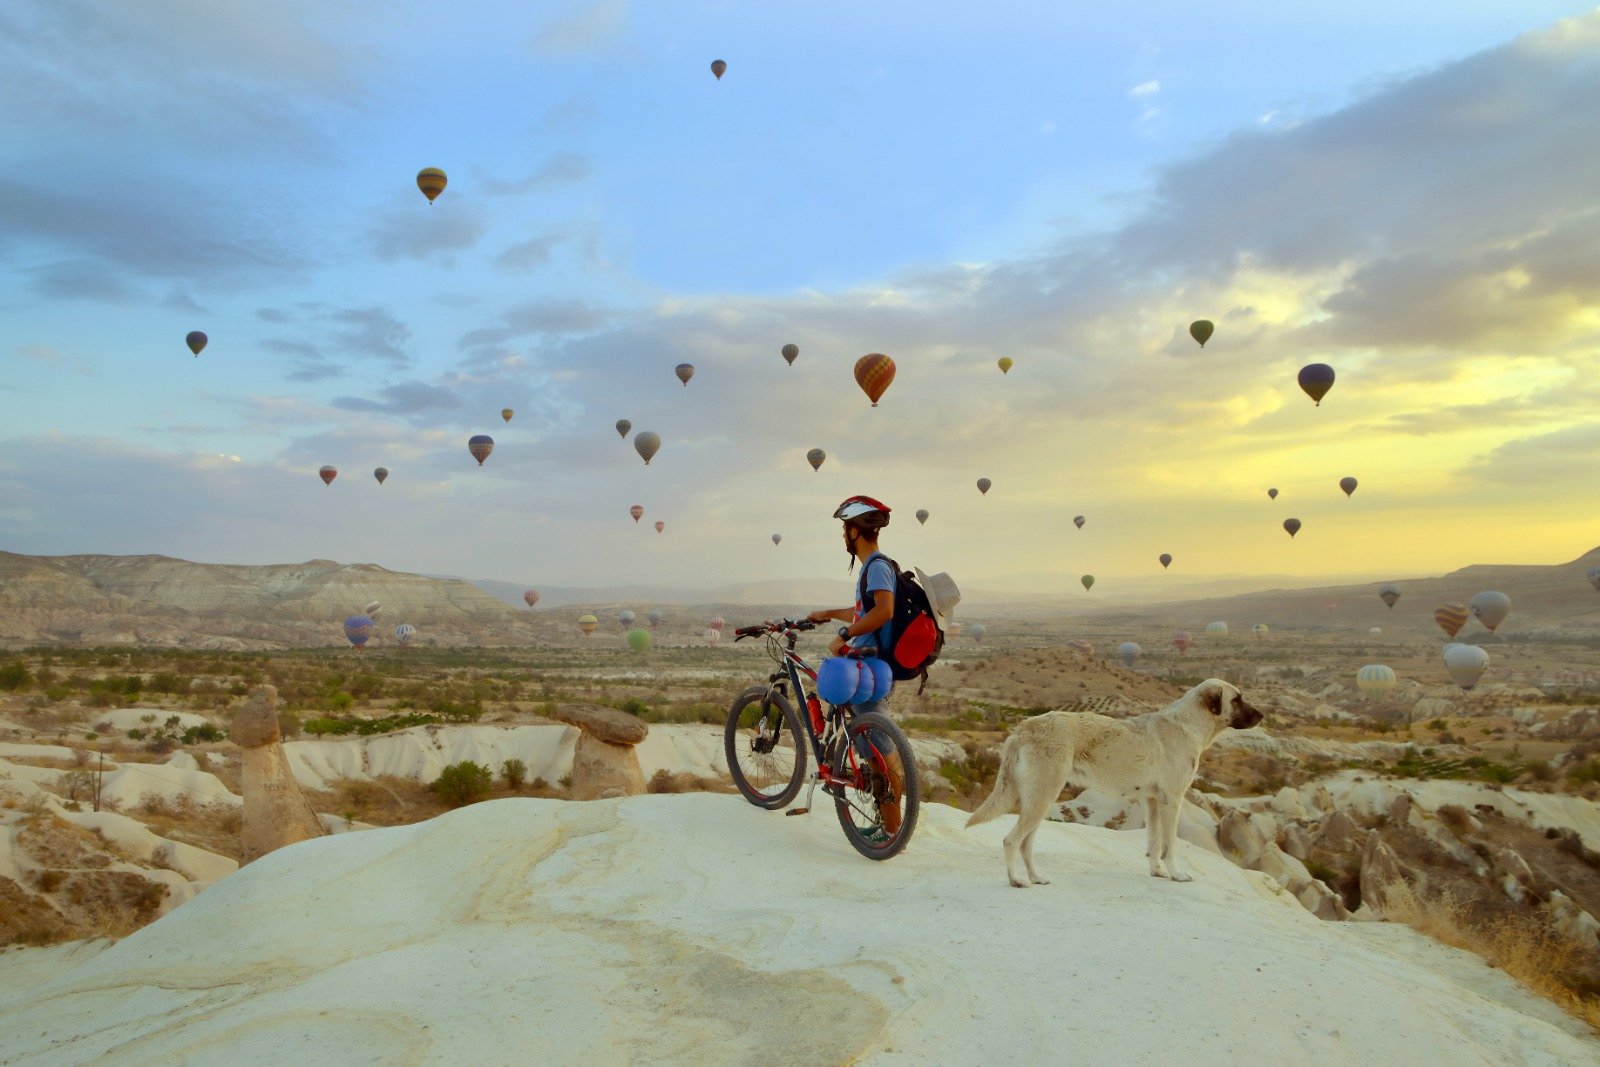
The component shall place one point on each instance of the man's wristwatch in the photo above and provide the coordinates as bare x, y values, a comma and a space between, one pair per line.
844, 632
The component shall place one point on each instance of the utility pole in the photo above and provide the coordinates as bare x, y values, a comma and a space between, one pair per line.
100, 773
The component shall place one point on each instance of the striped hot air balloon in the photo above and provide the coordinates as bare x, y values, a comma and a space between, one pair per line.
587, 624
1375, 679
358, 629
1217, 629
1259, 629
431, 180
1180, 641
480, 445
404, 633
530, 597
1451, 617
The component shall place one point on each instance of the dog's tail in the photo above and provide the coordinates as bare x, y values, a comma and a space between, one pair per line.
1003, 799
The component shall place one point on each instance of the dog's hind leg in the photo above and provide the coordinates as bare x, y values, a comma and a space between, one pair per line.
1039, 790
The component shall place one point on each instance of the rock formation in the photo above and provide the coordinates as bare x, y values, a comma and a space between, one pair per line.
604, 763
276, 813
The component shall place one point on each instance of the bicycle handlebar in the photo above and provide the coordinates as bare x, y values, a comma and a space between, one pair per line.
770, 627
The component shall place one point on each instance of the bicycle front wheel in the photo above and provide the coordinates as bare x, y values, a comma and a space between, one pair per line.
879, 812
765, 746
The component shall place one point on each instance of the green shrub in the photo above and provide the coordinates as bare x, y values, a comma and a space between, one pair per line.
288, 723
464, 783
515, 772
204, 732
15, 676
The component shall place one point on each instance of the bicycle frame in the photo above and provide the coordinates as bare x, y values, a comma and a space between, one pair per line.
792, 673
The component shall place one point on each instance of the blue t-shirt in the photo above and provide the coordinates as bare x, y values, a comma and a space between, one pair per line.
879, 575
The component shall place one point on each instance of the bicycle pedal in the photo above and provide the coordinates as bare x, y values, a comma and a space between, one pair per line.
798, 811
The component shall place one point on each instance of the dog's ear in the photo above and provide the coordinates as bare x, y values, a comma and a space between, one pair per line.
1211, 697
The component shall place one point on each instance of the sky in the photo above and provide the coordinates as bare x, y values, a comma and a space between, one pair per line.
1407, 191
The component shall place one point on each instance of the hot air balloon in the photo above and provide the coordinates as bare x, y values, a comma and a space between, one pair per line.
1201, 330
1088, 581
530, 597
1375, 679
358, 629
1451, 618
1316, 379
1180, 641
718, 67
660, 526
815, 458
372, 608
1375, 630
953, 630
1078, 644
922, 520
1272, 494
328, 473
480, 445
1129, 651
431, 181
1078, 521
791, 353
1005, 364
382, 474
716, 622
1348, 485
638, 640
196, 341
506, 413
624, 427
977, 633
654, 616
983, 485
777, 539
647, 444
1491, 608
625, 617
1259, 628
1165, 559
1466, 664
404, 633
1218, 628
712, 637
1594, 577
1389, 593
874, 372
587, 624
637, 511
684, 371
1292, 525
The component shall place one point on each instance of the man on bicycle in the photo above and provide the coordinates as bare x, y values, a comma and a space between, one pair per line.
868, 622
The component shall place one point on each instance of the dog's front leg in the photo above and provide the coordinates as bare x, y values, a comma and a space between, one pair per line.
1169, 837
1153, 837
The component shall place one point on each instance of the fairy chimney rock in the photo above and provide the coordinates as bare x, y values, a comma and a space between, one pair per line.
276, 813
604, 763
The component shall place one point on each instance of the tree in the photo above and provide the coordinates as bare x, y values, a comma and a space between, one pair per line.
464, 783
515, 772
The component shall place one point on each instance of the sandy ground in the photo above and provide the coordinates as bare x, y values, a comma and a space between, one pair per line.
696, 929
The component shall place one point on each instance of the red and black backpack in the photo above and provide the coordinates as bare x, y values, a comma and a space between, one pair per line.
915, 637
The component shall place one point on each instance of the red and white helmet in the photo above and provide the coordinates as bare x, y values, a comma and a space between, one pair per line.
864, 511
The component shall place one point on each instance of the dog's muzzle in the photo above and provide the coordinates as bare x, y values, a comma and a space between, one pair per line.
1245, 718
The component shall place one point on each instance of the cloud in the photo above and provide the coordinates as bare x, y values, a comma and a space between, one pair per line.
406, 233
564, 169
595, 26
541, 318
406, 398
83, 280
1149, 88
329, 337
1566, 457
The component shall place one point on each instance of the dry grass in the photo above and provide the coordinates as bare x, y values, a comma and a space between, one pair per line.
1525, 948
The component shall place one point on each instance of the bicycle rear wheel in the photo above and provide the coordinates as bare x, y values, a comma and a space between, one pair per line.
765, 746
879, 816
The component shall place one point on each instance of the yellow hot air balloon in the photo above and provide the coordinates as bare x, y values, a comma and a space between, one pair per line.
1005, 364
431, 181
1451, 618
506, 413
587, 624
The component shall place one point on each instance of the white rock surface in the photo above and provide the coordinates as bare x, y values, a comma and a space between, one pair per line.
697, 929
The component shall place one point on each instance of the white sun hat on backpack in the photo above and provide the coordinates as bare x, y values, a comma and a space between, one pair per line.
943, 596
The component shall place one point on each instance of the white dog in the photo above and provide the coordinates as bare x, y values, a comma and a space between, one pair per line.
1154, 756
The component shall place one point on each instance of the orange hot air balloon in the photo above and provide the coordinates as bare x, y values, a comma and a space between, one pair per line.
1451, 618
431, 181
874, 372
530, 597
636, 511
328, 474
660, 526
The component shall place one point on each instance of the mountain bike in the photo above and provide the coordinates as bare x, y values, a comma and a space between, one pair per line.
862, 759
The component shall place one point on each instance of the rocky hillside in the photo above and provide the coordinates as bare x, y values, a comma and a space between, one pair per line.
108, 600
1542, 596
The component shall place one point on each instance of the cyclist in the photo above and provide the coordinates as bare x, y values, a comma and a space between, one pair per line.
868, 622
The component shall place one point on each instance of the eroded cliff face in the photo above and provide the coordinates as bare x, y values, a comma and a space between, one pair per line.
110, 600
